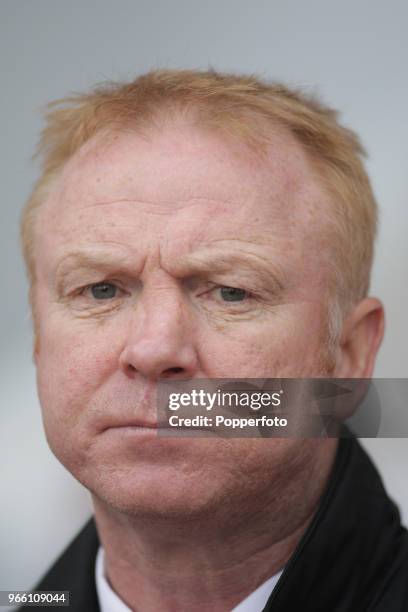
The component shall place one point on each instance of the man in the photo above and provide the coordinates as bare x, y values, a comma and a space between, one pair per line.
195, 225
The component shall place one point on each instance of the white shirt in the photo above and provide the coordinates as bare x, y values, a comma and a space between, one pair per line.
110, 602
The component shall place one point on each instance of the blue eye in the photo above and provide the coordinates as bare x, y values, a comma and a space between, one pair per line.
103, 291
232, 294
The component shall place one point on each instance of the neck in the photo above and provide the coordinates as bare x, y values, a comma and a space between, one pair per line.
209, 563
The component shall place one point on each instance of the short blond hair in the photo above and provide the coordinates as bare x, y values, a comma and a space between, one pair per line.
242, 107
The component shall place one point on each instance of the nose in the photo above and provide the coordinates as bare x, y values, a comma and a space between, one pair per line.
160, 343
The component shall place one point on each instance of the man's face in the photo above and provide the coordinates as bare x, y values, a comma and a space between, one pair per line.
137, 247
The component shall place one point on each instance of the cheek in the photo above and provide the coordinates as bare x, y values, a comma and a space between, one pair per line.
72, 367
288, 343
72, 362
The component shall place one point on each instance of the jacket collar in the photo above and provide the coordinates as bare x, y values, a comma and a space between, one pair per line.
350, 544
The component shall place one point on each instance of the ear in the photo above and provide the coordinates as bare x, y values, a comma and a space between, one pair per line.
360, 340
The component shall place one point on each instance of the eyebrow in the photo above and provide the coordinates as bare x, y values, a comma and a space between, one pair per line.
91, 259
212, 261
203, 262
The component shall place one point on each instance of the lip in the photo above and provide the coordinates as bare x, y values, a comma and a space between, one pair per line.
137, 425
152, 428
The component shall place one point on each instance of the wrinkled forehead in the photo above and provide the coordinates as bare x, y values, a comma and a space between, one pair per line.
162, 179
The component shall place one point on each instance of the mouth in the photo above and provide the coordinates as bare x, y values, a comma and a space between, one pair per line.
156, 429
136, 425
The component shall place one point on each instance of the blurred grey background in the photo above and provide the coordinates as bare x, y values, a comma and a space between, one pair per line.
354, 53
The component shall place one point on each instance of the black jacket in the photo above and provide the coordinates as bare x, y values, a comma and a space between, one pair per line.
352, 558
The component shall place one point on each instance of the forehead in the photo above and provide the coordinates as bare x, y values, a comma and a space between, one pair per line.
130, 186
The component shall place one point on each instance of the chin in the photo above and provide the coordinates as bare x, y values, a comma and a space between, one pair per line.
154, 494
